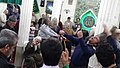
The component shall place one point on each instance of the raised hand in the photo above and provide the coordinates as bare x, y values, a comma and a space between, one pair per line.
65, 56
62, 32
106, 30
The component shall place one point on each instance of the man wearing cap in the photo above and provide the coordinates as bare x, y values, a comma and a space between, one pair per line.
11, 22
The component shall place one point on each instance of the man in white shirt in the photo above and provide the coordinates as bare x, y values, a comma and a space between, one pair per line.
3, 18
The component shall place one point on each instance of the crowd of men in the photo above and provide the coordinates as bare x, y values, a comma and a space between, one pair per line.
51, 45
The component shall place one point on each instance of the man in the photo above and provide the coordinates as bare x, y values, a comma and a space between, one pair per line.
105, 55
52, 51
40, 21
83, 51
11, 22
32, 53
8, 41
3, 17
116, 35
68, 43
77, 24
45, 31
68, 21
113, 43
16, 13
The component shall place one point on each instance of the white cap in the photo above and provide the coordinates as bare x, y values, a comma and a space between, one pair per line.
38, 37
117, 31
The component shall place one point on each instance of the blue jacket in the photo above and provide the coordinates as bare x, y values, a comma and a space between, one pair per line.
116, 50
82, 51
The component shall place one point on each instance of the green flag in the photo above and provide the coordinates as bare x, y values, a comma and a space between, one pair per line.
12, 1
88, 19
35, 7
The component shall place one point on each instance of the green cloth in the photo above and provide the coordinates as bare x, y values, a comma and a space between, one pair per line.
12, 1
65, 66
35, 7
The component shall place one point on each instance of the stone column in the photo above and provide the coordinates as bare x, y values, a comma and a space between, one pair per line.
108, 14
56, 8
24, 28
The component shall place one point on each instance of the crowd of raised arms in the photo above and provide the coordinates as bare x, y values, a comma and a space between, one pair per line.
55, 44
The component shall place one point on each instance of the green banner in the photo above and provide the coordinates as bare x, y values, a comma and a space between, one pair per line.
12, 1
35, 7
88, 20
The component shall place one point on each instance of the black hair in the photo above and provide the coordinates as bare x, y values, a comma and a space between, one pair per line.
78, 18
105, 54
45, 21
4, 41
51, 50
68, 18
113, 29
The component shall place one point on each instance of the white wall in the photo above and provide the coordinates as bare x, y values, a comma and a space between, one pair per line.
42, 9
108, 14
71, 8
63, 14
56, 8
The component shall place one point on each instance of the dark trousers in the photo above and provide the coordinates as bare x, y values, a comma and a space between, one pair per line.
30, 63
73, 66
68, 46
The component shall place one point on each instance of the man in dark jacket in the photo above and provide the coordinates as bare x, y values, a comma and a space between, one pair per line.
114, 45
32, 53
10, 24
83, 51
8, 40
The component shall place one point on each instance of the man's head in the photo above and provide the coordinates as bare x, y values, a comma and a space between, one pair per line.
51, 50
54, 21
43, 15
37, 40
94, 40
105, 55
115, 32
78, 20
8, 40
79, 34
68, 19
12, 21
